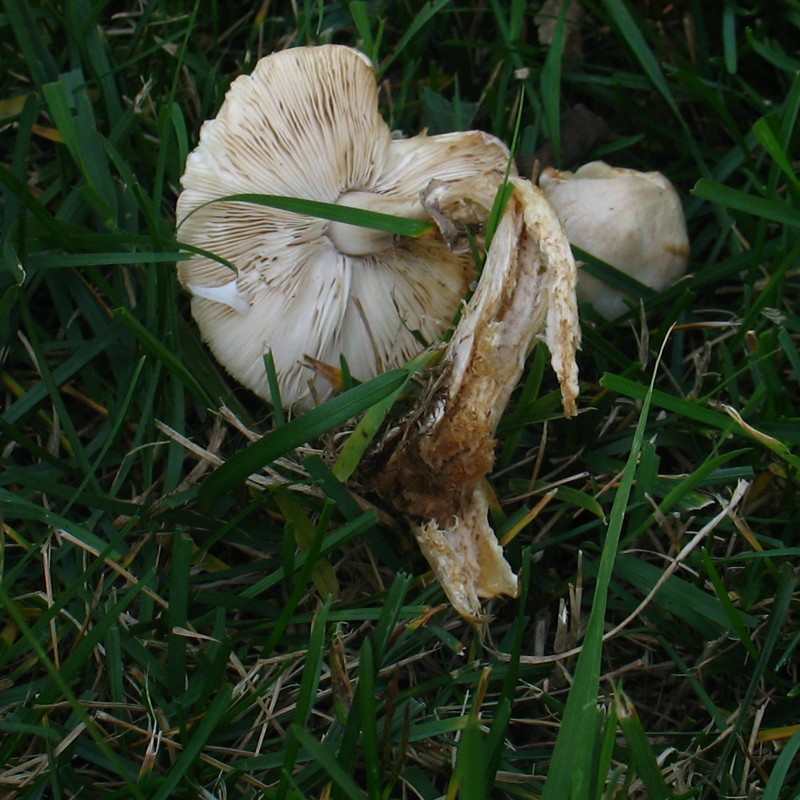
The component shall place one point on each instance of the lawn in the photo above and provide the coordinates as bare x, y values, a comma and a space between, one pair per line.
196, 604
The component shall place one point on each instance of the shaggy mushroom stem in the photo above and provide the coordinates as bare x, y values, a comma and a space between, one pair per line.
437, 459
356, 240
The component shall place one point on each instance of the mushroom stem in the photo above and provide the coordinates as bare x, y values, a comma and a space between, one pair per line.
436, 472
356, 240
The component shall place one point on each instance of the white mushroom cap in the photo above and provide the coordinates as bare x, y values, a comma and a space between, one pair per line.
306, 124
631, 220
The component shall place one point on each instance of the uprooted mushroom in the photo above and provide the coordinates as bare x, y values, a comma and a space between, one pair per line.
305, 124
311, 292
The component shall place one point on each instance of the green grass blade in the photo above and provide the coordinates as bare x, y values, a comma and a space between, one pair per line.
389, 617
300, 584
611, 275
694, 606
66, 370
776, 783
735, 618
72, 114
696, 685
495, 741
729, 39
635, 38
198, 738
361, 19
348, 531
334, 489
570, 769
278, 415
178, 611
60, 685
113, 433
768, 139
641, 758
299, 431
325, 758
369, 723
38, 56
605, 755
353, 450
306, 694
550, 80
738, 200
165, 355
426, 13
783, 599
362, 217
700, 413
470, 773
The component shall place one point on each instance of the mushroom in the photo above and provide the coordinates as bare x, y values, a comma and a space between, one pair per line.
631, 220
305, 124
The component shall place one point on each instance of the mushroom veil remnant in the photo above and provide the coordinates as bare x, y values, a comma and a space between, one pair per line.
305, 124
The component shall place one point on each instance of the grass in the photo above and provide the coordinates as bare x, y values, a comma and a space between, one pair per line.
267, 629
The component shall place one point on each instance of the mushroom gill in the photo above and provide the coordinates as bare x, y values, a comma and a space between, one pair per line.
306, 290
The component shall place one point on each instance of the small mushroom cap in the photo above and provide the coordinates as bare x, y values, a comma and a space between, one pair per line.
306, 124
631, 220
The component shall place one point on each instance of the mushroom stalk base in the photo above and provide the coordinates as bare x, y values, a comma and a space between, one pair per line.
355, 240
441, 454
